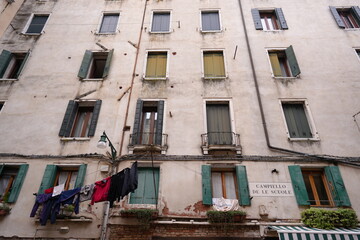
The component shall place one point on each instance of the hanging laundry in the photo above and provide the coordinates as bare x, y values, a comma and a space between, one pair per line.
66, 197
101, 190
58, 190
86, 192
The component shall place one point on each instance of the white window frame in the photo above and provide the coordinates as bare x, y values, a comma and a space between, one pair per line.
202, 63
264, 10
268, 50
220, 22
309, 117
167, 64
152, 18
30, 20
104, 13
357, 52
4, 103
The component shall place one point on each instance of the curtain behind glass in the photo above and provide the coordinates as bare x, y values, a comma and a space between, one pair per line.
218, 124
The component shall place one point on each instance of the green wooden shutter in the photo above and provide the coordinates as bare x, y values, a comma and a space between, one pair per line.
22, 64
298, 184
94, 118
107, 64
293, 64
2, 166
137, 121
69, 118
356, 11
146, 193
48, 178
206, 184
159, 122
5, 59
243, 186
337, 17
257, 19
81, 176
85, 64
337, 186
18, 182
296, 121
280, 16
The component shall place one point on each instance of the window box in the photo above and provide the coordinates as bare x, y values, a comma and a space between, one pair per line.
144, 216
226, 217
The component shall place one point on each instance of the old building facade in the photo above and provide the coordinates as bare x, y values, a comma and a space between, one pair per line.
255, 101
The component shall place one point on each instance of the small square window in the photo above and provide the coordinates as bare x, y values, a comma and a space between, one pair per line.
95, 65
269, 20
156, 65
66, 176
284, 63
109, 23
210, 21
37, 24
297, 121
160, 22
224, 184
11, 180
11, 64
214, 66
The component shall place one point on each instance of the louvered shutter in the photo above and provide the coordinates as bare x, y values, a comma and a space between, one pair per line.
136, 128
2, 166
337, 17
280, 16
159, 123
337, 186
107, 64
81, 176
293, 64
257, 19
18, 182
22, 64
356, 11
85, 64
243, 186
206, 184
5, 59
69, 118
298, 184
94, 118
48, 178
275, 64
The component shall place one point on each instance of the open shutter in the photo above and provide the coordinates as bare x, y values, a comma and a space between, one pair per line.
337, 17
257, 19
2, 166
356, 11
206, 184
290, 55
159, 123
94, 118
337, 186
243, 186
69, 118
5, 58
107, 64
280, 16
275, 64
136, 129
85, 64
298, 184
81, 176
48, 178
18, 182
22, 64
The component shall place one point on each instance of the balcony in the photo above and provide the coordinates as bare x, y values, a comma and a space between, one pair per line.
142, 141
220, 141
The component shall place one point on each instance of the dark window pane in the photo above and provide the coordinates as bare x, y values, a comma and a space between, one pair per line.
37, 24
320, 188
309, 189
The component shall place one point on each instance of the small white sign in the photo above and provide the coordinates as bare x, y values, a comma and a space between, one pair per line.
271, 189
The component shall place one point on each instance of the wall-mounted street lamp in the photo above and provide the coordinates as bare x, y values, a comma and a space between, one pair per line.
102, 144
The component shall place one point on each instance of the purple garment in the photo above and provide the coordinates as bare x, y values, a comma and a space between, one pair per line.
48, 202
40, 199
66, 197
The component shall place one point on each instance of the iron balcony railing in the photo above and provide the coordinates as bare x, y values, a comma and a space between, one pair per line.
148, 138
220, 139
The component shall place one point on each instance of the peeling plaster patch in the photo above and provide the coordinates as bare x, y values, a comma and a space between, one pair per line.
188, 208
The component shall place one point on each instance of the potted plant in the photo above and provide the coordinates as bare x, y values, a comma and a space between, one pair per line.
225, 217
4, 209
68, 210
143, 215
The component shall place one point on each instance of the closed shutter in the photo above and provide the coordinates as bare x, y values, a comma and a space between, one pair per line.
159, 122
5, 59
275, 64
160, 71
214, 64
22, 64
85, 64
206, 184
298, 184
146, 192
280, 16
337, 17
356, 11
257, 19
243, 186
161, 22
293, 64
94, 118
218, 124
337, 186
156, 65
69, 118
107, 64
136, 128
210, 21
18, 182
48, 178
296, 121
80, 176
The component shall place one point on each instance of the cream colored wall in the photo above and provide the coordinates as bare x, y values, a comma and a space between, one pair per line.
7, 12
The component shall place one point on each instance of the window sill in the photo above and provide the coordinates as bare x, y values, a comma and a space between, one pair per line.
32, 34
211, 31
92, 79
285, 78
71, 219
68, 139
154, 79
9, 79
109, 33
167, 32
215, 78
274, 31
304, 139
352, 29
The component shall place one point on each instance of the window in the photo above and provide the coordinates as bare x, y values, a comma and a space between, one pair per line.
37, 23
95, 65
156, 65
54, 175
210, 21
12, 63
80, 119
146, 192
284, 63
11, 181
319, 187
148, 124
346, 17
109, 23
214, 66
228, 183
1, 105
297, 122
358, 52
160, 22
218, 123
269, 20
